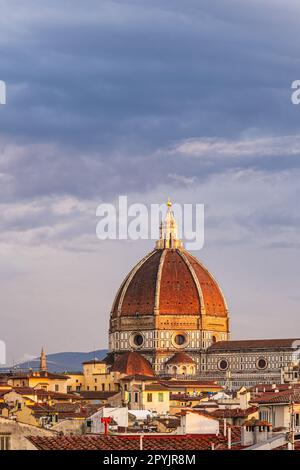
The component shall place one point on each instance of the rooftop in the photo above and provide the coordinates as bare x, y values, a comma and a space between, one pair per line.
150, 442
96, 395
234, 412
131, 363
180, 358
253, 344
285, 397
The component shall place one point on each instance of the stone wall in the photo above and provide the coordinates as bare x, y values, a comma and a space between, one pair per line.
19, 431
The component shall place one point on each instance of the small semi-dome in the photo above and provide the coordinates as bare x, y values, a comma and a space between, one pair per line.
180, 364
180, 358
132, 363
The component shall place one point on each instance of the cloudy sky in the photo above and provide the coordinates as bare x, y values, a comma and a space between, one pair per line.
148, 99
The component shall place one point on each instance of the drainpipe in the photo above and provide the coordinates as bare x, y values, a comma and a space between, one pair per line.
225, 427
229, 437
141, 442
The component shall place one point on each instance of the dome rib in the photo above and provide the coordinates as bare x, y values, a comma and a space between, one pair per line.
138, 293
210, 293
196, 281
119, 298
158, 281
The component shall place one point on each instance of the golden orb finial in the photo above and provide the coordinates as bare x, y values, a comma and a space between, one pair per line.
169, 203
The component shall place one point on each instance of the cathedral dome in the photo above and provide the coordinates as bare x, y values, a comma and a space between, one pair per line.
169, 281
168, 302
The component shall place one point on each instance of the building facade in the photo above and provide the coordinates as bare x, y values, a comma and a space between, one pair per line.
170, 309
249, 362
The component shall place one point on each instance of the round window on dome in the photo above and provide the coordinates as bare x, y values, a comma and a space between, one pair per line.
262, 363
223, 364
138, 339
180, 340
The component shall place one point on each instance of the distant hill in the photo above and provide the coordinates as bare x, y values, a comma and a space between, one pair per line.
64, 361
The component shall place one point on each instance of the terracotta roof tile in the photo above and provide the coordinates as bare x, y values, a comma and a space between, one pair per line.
156, 387
251, 344
234, 412
190, 383
154, 442
284, 397
96, 395
130, 363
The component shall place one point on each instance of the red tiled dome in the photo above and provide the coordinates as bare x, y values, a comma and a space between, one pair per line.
169, 281
132, 363
180, 358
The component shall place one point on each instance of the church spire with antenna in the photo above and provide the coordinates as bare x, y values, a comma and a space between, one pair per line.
43, 361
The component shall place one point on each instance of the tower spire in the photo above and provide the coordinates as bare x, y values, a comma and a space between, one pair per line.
43, 361
168, 230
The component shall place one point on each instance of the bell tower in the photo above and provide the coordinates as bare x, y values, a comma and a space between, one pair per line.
43, 361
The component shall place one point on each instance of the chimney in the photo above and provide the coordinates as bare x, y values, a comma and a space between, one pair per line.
106, 422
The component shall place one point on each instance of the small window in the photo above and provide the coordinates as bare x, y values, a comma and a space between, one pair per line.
261, 363
160, 397
180, 340
56, 388
136, 397
5, 442
149, 397
138, 340
223, 364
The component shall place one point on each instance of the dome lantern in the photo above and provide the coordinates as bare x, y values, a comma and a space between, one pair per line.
168, 231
